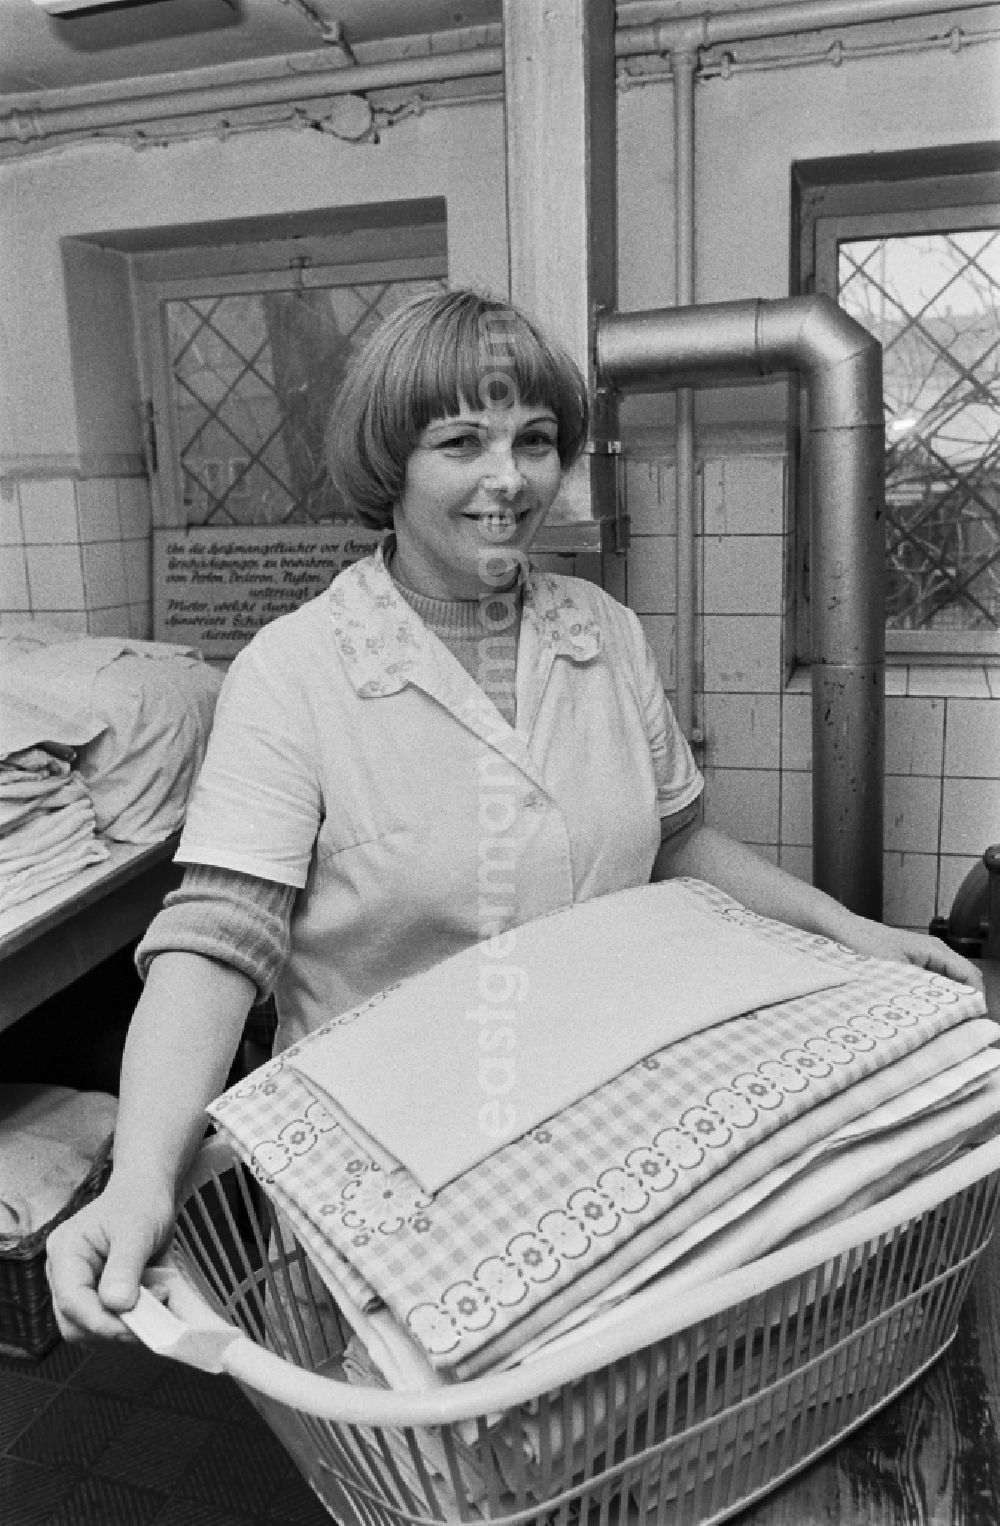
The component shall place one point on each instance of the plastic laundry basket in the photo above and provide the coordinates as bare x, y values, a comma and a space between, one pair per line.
684, 1409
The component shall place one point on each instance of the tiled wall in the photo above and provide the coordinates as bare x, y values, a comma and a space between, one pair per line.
75, 552
942, 786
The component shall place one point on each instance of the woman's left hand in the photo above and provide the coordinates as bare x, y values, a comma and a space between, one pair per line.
922, 949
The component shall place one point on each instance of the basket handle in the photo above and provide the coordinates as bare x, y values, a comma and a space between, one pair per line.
171, 1319
186, 1329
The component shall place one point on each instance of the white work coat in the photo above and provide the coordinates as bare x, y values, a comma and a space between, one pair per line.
354, 758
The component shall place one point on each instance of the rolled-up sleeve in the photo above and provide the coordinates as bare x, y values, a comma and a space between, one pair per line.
236, 919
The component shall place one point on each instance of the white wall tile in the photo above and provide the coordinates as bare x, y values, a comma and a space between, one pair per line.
137, 570
743, 653
966, 683
993, 680
796, 809
909, 888
14, 596
134, 510
914, 735
74, 620
110, 621
661, 633
752, 500
48, 511
971, 819
104, 574
651, 497
972, 748
713, 506
743, 802
652, 579
743, 574
11, 531
55, 578
97, 499
742, 730
896, 679
912, 814
796, 729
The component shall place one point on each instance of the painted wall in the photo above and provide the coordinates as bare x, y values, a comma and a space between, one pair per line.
74, 522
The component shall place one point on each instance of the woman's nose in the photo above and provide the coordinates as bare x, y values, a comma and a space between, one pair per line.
503, 474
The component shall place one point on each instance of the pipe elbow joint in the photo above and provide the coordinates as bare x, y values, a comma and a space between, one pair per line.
844, 362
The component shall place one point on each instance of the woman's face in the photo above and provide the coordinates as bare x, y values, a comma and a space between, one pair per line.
478, 485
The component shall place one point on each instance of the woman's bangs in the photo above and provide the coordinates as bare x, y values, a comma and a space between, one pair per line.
495, 362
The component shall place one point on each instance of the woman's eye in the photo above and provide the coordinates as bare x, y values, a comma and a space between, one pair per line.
463, 443
537, 441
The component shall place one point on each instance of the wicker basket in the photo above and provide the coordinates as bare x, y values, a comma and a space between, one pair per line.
27, 1323
685, 1409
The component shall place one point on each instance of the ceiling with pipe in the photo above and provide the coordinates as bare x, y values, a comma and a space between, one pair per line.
49, 46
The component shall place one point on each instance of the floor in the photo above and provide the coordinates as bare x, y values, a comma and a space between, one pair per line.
112, 1435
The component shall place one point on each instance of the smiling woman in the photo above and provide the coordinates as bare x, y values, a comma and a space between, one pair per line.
442, 747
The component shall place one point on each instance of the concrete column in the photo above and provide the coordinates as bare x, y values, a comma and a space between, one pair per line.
559, 95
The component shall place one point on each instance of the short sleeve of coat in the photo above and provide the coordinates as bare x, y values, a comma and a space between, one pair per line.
257, 803
678, 780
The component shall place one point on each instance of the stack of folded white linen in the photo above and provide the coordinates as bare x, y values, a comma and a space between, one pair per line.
655, 1085
50, 1137
48, 822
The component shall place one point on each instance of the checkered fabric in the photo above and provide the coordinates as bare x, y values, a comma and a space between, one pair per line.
561, 1211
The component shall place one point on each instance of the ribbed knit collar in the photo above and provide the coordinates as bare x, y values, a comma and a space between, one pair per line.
461, 619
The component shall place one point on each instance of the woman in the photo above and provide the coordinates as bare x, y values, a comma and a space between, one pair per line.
442, 746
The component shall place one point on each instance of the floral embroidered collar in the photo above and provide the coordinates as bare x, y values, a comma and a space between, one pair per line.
385, 645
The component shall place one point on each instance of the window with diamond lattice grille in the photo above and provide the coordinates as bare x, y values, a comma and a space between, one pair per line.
909, 245
253, 375
933, 301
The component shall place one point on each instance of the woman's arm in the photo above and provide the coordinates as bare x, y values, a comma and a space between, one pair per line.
705, 854
179, 1049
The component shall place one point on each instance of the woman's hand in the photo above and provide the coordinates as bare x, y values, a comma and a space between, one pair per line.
922, 949
96, 1259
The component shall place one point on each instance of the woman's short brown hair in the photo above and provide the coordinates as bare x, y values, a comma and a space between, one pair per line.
434, 355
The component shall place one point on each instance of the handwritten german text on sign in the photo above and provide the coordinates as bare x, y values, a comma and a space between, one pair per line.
215, 586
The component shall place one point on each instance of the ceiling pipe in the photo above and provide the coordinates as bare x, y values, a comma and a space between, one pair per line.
701, 30
841, 366
199, 99
133, 102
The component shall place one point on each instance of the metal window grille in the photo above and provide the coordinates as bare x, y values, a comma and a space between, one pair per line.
254, 375
932, 301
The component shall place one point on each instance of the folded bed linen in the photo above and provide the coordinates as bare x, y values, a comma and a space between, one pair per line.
496, 1257
880, 1154
492, 1041
943, 1072
940, 1073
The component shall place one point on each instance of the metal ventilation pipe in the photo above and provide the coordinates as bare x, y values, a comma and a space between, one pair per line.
841, 365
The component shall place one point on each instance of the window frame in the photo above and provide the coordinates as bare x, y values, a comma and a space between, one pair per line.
882, 195
167, 479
